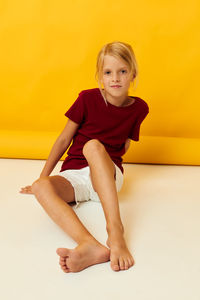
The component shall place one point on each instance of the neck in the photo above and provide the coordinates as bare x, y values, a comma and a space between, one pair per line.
117, 101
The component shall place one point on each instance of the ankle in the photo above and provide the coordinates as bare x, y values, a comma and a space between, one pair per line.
88, 240
115, 228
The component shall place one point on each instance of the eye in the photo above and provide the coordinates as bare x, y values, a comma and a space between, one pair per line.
123, 71
107, 72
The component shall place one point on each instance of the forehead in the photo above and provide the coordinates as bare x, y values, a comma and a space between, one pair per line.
112, 62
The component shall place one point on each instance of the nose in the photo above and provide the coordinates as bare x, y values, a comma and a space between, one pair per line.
115, 77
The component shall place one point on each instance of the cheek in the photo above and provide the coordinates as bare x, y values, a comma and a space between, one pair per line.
105, 81
127, 80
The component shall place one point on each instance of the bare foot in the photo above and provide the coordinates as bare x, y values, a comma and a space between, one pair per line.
83, 256
120, 257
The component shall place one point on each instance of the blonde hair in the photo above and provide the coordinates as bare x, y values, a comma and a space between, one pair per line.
118, 50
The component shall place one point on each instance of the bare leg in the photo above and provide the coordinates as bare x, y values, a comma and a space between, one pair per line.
102, 174
53, 193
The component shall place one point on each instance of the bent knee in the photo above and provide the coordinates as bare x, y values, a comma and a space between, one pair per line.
39, 184
92, 146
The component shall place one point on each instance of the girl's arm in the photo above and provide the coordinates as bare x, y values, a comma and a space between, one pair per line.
127, 144
59, 147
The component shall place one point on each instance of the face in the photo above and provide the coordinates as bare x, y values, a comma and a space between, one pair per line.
116, 78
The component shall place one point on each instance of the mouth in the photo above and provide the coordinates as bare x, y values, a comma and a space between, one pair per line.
116, 86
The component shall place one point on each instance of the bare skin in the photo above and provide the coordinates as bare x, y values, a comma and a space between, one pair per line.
92, 252
83, 256
102, 175
55, 193
120, 257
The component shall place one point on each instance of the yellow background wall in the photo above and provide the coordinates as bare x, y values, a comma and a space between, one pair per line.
48, 54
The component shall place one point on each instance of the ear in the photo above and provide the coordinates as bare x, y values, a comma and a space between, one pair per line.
132, 77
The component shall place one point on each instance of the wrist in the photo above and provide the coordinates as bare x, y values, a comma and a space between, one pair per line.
44, 174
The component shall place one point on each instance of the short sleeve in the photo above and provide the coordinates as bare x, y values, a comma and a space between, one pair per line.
76, 111
135, 131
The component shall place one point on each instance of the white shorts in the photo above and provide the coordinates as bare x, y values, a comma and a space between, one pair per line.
81, 181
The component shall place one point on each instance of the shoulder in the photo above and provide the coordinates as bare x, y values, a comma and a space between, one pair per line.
89, 92
142, 104
90, 97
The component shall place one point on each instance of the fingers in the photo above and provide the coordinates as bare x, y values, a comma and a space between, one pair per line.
26, 190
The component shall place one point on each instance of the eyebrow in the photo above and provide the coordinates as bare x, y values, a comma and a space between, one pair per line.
107, 68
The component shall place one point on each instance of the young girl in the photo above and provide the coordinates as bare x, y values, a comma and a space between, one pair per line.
101, 123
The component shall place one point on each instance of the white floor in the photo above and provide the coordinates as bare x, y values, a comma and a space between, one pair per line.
160, 208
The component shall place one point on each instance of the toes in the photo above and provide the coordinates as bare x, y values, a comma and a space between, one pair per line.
62, 261
126, 265
115, 265
63, 252
66, 270
121, 264
131, 262
63, 264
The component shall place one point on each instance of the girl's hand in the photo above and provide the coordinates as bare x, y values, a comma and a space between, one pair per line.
26, 190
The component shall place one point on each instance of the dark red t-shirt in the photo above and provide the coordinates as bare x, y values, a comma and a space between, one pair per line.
111, 125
